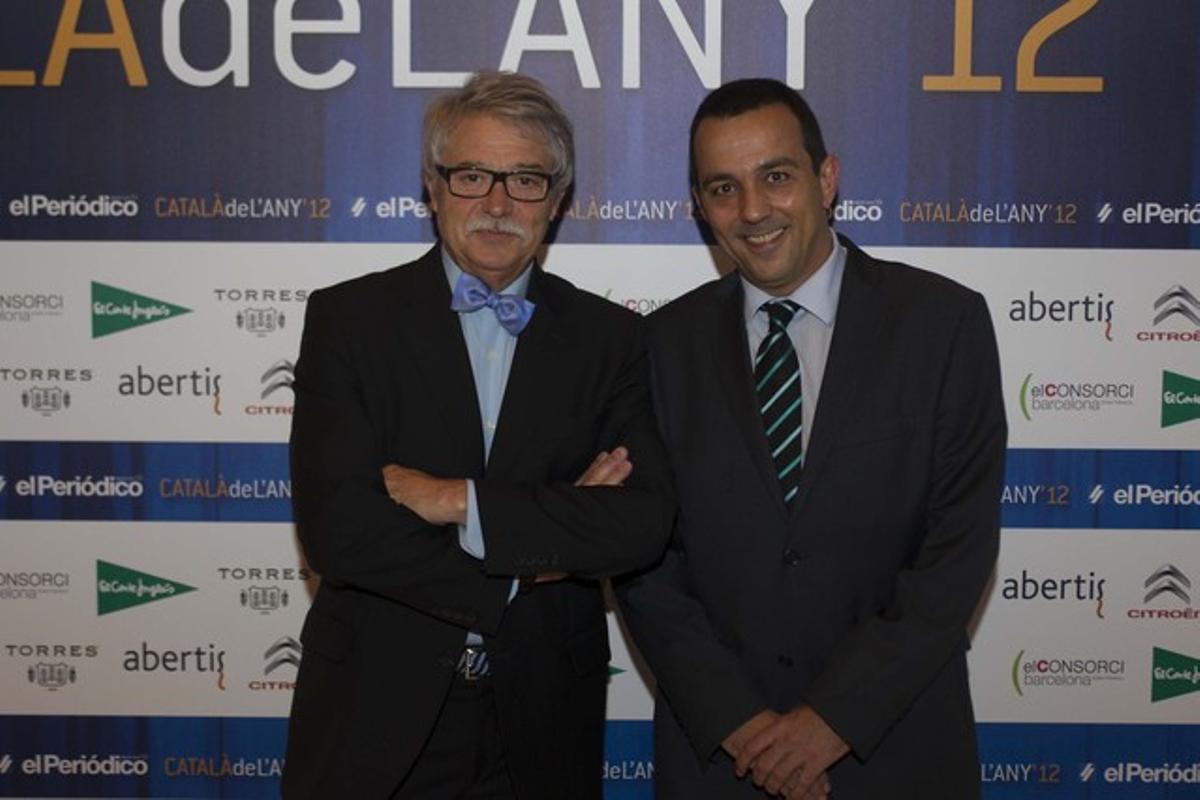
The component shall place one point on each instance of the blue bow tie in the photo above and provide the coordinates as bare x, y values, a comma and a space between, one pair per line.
471, 294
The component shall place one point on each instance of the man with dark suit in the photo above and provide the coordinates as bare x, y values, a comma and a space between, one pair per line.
837, 432
447, 415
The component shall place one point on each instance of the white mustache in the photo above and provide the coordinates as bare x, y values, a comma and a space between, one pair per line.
502, 225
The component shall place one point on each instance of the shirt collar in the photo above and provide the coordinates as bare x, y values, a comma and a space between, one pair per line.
453, 272
818, 295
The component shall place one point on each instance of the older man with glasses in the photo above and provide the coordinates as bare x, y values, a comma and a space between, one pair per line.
472, 450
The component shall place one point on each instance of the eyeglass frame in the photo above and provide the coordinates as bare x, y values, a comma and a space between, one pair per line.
496, 175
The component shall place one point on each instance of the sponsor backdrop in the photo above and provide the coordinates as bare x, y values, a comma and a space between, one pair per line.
177, 177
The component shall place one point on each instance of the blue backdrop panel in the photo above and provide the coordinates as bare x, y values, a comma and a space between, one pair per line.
1008, 166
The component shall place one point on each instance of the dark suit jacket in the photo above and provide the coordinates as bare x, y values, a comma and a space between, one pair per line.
856, 602
383, 376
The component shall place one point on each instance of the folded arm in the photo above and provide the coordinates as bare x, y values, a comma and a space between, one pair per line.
351, 530
590, 530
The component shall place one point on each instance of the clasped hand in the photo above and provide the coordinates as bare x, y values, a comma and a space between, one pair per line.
787, 755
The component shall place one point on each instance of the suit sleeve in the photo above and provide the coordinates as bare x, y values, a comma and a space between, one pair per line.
351, 531
673, 631
880, 668
597, 531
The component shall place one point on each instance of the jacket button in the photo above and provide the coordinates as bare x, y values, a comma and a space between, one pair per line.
791, 557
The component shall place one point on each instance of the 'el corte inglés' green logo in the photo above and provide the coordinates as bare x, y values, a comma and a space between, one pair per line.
1180, 399
1173, 674
119, 588
115, 310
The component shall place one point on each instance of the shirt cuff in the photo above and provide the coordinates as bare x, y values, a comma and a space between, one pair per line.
470, 535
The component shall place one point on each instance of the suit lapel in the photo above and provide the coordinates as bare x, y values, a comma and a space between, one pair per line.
541, 361
860, 313
439, 354
731, 353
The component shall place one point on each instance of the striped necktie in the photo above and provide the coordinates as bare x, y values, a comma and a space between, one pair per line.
777, 384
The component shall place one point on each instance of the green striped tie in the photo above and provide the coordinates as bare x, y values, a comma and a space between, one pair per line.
777, 384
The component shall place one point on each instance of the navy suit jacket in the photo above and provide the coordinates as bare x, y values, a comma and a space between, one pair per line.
856, 600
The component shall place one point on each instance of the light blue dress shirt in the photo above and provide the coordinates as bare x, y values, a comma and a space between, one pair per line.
810, 330
490, 349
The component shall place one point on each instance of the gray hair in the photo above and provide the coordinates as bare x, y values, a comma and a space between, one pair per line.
514, 98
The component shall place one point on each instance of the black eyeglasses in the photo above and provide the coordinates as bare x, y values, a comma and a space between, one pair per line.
524, 185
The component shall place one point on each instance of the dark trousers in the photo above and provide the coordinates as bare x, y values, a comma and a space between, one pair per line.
464, 757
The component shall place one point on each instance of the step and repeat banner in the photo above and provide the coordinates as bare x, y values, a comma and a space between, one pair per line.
176, 176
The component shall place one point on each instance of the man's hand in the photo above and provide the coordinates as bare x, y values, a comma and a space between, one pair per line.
438, 501
735, 742
817, 790
607, 469
791, 754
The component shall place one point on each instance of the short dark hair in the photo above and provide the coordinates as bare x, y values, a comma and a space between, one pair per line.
749, 94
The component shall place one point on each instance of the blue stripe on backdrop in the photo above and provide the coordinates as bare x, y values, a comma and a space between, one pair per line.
1102, 489
1090, 762
172, 757
242, 482
232, 482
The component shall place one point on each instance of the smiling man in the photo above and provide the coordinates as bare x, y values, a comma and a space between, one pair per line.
836, 429
472, 450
